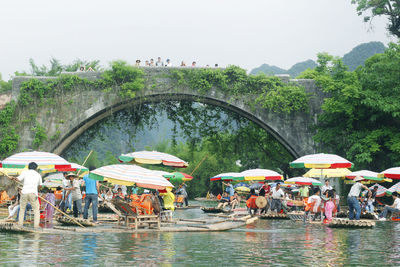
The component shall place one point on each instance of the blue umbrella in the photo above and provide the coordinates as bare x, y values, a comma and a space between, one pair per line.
256, 185
241, 184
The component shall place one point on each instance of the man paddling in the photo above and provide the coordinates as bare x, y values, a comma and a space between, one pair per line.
31, 180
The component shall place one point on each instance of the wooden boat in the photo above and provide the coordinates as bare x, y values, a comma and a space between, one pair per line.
214, 210
345, 214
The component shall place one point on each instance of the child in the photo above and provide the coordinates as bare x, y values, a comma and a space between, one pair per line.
329, 206
370, 203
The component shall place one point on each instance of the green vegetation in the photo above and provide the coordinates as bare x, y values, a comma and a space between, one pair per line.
376, 8
270, 92
40, 135
5, 86
361, 116
9, 138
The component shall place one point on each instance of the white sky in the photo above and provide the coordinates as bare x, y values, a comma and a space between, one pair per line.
247, 33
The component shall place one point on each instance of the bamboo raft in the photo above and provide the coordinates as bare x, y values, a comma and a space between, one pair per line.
67, 221
274, 216
204, 226
367, 216
343, 223
188, 207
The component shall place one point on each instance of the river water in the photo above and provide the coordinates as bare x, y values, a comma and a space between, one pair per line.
267, 242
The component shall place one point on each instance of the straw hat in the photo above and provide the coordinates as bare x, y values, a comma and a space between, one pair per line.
71, 174
358, 178
261, 202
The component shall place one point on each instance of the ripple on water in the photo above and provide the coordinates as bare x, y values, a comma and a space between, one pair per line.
278, 243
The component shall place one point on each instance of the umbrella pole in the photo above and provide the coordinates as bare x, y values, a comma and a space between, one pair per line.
198, 165
45, 200
83, 164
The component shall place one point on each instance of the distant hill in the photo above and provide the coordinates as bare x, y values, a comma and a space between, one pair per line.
356, 57
268, 69
298, 68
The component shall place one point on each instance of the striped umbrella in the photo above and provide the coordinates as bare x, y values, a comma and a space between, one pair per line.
178, 177
260, 175
153, 157
394, 188
321, 161
303, 181
44, 160
392, 173
227, 176
327, 173
381, 190
130, 175
367, 175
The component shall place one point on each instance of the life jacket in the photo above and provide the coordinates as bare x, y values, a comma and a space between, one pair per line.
4, 196
219, 196
251, 202
58, 194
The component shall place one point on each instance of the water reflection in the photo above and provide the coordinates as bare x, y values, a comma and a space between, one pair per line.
265, 243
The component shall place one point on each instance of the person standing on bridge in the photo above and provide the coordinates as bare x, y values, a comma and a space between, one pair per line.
159, 63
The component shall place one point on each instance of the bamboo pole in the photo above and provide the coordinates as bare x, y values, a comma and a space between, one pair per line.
45, 200
83, 164
198, 165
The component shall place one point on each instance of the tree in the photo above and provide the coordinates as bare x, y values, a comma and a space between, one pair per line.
361, 118
390, 8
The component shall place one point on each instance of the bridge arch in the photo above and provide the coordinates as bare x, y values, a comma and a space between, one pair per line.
76, 110
74, 133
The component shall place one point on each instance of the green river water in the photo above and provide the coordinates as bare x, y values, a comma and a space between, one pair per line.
267, 243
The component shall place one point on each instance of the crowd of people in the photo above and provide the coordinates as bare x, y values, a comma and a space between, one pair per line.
318, 202
168, 63
70, 197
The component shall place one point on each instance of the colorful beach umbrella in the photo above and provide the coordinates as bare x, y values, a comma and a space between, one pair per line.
303, 181
178, 177
153, 157
44, 160
249, 175
129, 175
392, 173
227, 176
381, 190
394, 188
327, 173
367, 175
242, 189
260, 175
241, 184
321, 161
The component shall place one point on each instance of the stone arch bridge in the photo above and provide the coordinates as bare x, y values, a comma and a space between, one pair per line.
77, 110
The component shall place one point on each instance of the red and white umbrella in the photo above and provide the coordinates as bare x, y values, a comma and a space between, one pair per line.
367, 175
44, 160
153, 157
381, 190
392, 173
321, 161
129, 175
394, 188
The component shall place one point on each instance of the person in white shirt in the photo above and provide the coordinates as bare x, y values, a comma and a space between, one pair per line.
169, 64
326, 187
393, 208
31, 180
352, 198
277, 196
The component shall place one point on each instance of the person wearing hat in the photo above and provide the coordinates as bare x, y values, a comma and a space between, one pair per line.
393, 208
76, 195
352, 198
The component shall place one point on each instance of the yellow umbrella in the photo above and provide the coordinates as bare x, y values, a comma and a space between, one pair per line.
326, 173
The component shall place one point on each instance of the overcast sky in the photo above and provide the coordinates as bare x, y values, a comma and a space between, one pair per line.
247, 33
